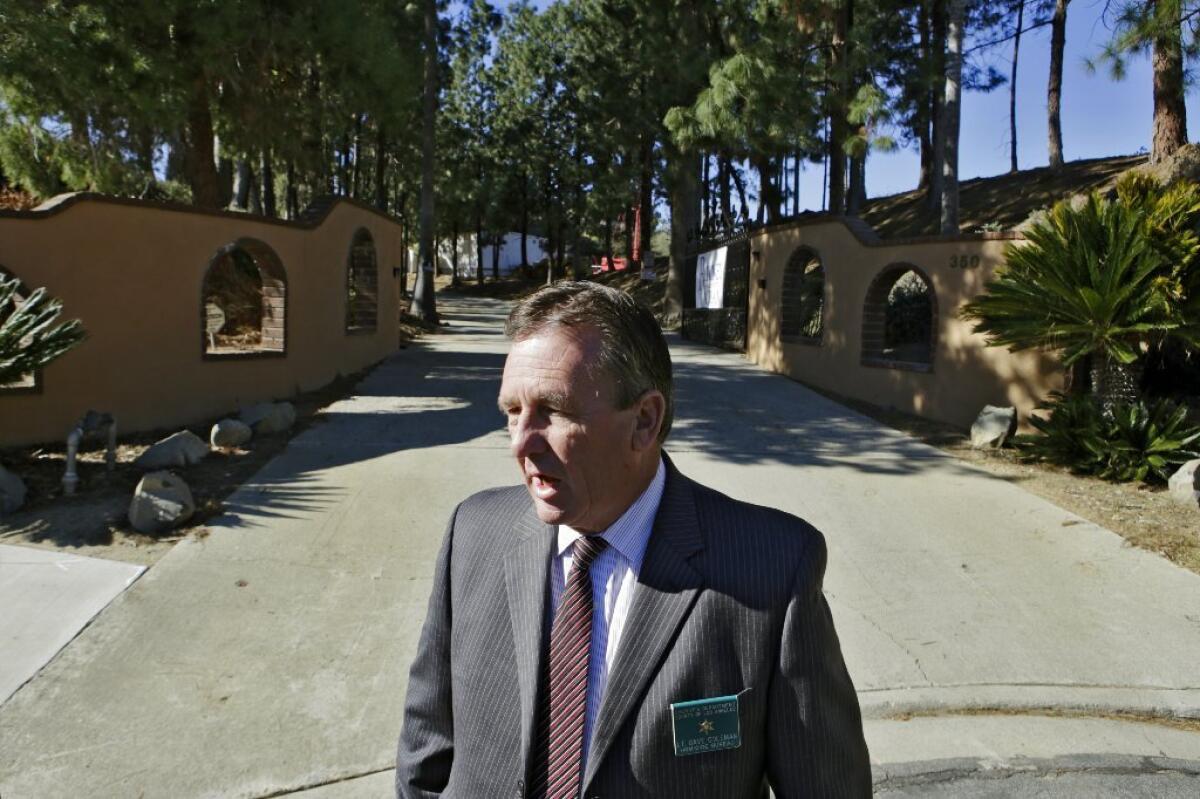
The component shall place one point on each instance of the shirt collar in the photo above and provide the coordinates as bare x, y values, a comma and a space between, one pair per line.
629, 534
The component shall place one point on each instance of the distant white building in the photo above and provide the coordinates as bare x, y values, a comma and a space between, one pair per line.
510, 254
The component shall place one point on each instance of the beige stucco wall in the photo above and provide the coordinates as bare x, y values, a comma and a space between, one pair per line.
965, 373
133, 272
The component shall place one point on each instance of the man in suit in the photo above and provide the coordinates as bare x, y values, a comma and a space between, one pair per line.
613, 629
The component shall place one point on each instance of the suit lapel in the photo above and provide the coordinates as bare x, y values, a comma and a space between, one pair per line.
666, 589
526, 579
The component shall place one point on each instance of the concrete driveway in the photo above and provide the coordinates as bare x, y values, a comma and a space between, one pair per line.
988, 631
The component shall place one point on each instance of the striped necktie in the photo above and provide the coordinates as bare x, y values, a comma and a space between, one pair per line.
565, 687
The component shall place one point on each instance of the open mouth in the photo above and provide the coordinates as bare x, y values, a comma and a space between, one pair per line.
543, 484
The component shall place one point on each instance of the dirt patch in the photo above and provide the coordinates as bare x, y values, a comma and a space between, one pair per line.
1144, 516
93, 521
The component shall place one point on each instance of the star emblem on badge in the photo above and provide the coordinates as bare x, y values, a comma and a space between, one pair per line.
706, 726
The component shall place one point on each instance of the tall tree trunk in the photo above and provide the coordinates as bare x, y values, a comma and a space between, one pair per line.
454, 252
176, 168
479, 246
405, 249
768, 201
684, 207
953, 112
796, 184
144, 140
423, 303
925, 103
741, 190
225, 174
839, 124
560, 250
525, 220
1012, 90
1058, 41
726, 204
200, 159
380, 168
705, 191
497, 242
400, 203
646, 195
551, 222
938, 101
246, 196
293, 194
858, 184
355, 183
630, 218
825, 171
608, 239
241, 185
268, 185
1170, 113
244, 185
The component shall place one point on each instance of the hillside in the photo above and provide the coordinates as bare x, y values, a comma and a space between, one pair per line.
1003, 200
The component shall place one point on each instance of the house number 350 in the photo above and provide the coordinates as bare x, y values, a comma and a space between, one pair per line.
964, 261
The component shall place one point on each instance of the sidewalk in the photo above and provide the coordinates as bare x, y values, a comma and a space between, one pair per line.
271, 656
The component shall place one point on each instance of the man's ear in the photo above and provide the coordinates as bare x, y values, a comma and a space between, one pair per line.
648, 419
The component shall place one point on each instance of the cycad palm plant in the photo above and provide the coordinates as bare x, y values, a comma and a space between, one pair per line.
29, 338
1091, 280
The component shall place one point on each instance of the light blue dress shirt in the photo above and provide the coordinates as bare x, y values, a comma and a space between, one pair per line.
614, 575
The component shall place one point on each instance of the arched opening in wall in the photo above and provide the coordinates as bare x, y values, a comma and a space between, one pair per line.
900, 320
802, 311
9, 302
362, 284
244, 301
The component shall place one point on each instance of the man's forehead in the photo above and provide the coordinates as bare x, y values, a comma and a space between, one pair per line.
553, 361
555, 334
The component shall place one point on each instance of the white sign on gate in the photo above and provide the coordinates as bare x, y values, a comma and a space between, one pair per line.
710, 278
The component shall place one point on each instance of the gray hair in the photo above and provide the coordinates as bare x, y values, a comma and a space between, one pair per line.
633, 351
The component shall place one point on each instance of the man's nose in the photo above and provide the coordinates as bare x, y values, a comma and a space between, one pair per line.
527, 437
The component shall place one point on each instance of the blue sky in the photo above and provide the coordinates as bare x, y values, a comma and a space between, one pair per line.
1099, 116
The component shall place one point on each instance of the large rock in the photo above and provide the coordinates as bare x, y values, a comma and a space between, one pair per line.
12, 491
1185, 484
160, 502
269, 417
993, 427
1183, 164
229, 433
179, 449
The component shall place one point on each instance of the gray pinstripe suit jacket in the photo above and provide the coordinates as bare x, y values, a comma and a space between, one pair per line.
728, 600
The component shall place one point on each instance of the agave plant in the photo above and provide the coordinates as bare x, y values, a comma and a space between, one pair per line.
1135, 442
1100, 279
29, 338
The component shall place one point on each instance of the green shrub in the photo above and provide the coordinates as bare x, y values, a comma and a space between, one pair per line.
1137, 442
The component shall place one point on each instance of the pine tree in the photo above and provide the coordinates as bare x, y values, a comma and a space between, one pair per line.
423, 304
1157, 27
